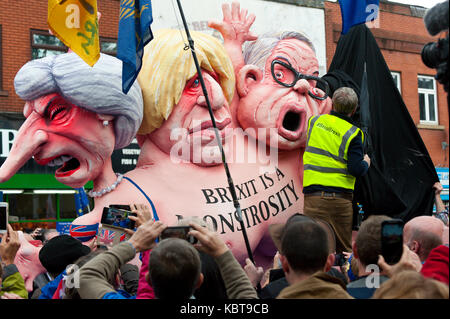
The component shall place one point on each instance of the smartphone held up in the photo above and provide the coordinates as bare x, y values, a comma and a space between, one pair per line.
3, 217
118, 216
392, 240
181, 232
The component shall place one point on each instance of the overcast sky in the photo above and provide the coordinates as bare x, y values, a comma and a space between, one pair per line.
423, 3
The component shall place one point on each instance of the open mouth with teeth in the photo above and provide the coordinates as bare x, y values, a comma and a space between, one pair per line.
69, 165
291, 124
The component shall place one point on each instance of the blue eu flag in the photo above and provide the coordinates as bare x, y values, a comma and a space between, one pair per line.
81, 201
134, 33
355, 12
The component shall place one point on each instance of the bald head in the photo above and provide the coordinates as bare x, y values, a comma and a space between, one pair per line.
422, 234
424, 224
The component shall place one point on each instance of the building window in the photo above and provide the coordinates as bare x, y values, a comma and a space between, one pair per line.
44, 44
67, 209
397, 80
32, 206
427, 100
108, 46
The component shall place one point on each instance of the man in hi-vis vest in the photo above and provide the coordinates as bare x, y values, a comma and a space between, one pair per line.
333, 158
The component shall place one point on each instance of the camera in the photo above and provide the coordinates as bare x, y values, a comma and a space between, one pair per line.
116, 216
339, 260
181, 232
435, 56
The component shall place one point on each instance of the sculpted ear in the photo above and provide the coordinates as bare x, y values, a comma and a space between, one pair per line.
248, 76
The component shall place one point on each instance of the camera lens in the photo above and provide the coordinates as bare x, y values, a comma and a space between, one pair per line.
431, 55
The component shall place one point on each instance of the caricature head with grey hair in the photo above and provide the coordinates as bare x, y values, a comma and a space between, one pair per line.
272, 95
257, 52
76, 115
97, 89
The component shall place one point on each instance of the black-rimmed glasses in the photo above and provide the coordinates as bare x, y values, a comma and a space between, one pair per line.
285, 75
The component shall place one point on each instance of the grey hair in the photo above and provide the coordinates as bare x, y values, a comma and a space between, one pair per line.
345, 100
97, 89
257, 52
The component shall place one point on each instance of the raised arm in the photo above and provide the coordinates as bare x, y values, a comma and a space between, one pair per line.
440, 207
95, 275
13, 285
235, 30
236, 281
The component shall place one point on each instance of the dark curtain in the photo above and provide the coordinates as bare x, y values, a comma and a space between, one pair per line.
400, 179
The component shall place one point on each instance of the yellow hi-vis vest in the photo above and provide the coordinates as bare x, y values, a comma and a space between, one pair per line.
326, 154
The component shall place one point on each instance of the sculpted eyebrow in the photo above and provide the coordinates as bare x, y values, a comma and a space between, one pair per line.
283, 58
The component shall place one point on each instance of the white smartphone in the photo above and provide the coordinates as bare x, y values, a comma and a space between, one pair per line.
3, 217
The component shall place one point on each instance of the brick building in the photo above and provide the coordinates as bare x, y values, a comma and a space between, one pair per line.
35, 198
401, 35
24, 36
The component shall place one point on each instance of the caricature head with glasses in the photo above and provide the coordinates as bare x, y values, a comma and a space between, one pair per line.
284, 74
277, 88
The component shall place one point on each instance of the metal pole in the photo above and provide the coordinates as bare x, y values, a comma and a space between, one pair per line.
211, 114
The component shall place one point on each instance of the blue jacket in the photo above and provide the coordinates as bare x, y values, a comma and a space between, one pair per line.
49, 289
118, 294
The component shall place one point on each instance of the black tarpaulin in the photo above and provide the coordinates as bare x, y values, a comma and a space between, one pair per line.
400, 179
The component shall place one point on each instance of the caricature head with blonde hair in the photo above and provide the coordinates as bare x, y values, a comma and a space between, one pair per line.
168, 66
173, 96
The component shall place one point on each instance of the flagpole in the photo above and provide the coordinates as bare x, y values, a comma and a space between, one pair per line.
211, 114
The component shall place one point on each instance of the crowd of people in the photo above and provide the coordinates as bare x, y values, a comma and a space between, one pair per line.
304, 266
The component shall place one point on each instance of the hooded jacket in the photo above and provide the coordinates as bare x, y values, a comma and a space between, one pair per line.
13, 282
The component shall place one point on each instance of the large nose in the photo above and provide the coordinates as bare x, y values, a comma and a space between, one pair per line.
27, 261
28, 140
302, 86
215, 94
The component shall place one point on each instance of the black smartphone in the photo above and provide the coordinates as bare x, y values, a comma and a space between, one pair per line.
117, 217
392, 240
124, 207
3, 217
178, 232
339, 260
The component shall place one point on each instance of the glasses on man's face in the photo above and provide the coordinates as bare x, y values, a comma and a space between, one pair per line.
285, 75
